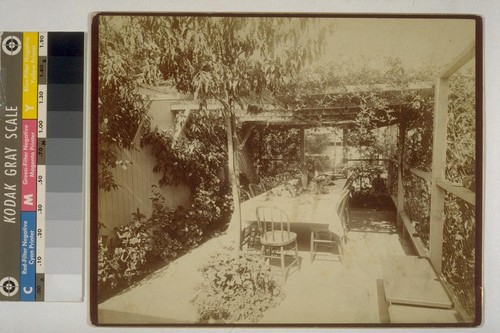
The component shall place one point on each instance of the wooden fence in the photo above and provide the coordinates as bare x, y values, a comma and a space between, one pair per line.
135, 178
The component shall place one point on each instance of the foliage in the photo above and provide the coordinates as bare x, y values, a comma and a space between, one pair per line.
236, 288
108, 275
418, 136
120, 107
277, 179
345, 83
275, 151
459, 248
220, 58
461, 133
223, 58
316, 143
459, 240
138, 246
418, 148
199, 160
133, 248
392, 179
418, 204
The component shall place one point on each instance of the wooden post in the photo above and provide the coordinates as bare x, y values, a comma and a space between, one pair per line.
233, 177
401, 190
302, 146
344, 145
438, 169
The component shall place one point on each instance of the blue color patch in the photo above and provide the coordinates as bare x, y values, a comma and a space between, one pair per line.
28, 255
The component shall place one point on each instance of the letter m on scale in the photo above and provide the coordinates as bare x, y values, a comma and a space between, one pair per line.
28, 200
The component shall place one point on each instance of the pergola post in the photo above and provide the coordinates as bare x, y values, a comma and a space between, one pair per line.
302, 145
344, 145
438, 171
401, 191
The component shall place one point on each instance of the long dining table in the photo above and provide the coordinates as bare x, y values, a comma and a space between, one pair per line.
305, 208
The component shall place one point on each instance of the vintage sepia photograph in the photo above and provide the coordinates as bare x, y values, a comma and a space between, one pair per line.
264, 170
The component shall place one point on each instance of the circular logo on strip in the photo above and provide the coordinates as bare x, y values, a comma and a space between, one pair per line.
9, 286
11, 45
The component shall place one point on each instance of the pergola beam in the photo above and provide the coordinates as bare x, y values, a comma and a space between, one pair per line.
467, 54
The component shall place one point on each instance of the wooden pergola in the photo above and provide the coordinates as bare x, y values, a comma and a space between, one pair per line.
343, 115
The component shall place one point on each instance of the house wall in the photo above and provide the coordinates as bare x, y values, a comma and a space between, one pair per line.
335, 150
136, 178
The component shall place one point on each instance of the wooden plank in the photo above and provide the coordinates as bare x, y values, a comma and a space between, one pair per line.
411, 280
405, 314
418, 245
366, 159
457, 190
438, 170
194, 106
467, 54
422, 174
394, 200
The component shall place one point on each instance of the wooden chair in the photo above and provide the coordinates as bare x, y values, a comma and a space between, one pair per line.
276, 238
322, 236
349, 182
244, 195
255, 189
250, 239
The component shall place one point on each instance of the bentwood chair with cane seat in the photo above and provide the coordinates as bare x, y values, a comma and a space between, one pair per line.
276, 238
324, 237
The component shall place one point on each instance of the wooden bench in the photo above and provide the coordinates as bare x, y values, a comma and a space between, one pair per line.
415, 292
411, 280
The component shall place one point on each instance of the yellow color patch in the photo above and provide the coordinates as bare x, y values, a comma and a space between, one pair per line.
30, 75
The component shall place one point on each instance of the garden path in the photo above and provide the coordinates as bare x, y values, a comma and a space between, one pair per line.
325, 291
329, 291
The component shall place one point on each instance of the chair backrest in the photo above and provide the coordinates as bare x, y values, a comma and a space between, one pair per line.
342, 208
244, 195
272, 219
255, 189
349, 182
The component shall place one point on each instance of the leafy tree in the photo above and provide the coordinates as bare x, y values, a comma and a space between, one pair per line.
211, 58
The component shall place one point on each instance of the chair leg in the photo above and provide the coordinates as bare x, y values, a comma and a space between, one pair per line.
340, 246
297, 254
283, 270
312, 246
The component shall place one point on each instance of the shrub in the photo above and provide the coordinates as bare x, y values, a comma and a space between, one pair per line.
133, 249
107, 270
236, 288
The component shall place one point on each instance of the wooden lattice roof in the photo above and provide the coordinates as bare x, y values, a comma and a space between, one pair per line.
341, 108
